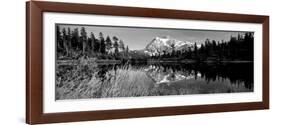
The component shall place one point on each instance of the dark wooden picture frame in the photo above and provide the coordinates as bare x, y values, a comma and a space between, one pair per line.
34, 62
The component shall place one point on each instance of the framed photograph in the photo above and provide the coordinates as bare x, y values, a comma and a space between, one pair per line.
96, 62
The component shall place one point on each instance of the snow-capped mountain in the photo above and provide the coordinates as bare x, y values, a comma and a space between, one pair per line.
159, 45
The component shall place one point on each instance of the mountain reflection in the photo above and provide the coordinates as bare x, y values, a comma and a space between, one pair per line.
154, 79
167, 73
164, 74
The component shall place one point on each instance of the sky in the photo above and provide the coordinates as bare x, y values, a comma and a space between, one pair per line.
138, 37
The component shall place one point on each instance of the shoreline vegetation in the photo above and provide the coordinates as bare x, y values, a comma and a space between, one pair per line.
84, 81
121, 82
105, 61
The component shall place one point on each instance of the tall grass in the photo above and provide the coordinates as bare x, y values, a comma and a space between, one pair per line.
82, 83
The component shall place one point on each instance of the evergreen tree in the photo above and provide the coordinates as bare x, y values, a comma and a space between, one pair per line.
69, 37
108, 44
102, 43
89, 46
83, 39
121, 45
188, 53
173, 49
127, 49
59, 40
115, 45
75, 39
96, 43
64, 37
195, 51
207, 47
93, 43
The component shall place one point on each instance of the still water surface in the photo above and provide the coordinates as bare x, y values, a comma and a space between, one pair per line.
144, 79
204, 77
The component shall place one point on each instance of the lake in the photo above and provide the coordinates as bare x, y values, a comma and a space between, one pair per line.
152, 79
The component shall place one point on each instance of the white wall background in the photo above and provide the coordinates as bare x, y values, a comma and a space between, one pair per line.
12, 64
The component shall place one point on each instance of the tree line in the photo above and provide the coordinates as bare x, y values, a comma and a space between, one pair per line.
72, 44
239, 47
75, 43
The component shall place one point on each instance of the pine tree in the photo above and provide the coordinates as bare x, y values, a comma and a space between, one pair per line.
96, 43
102, 43
69, 40
108, 44
69, 36
127, 49
188, 53
195, 51
93, 43
115, 45
75, 39
121, 45
64, 37
173, 49
59, 39
207, 47
83, 39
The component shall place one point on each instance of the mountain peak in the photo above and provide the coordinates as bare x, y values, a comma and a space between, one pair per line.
166, 44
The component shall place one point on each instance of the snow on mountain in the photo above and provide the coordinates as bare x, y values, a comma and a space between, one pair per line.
161, 45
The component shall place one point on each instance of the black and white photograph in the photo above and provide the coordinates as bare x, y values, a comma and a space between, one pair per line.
103, 61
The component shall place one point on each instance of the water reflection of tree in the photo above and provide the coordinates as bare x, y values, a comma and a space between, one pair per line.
236, 73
